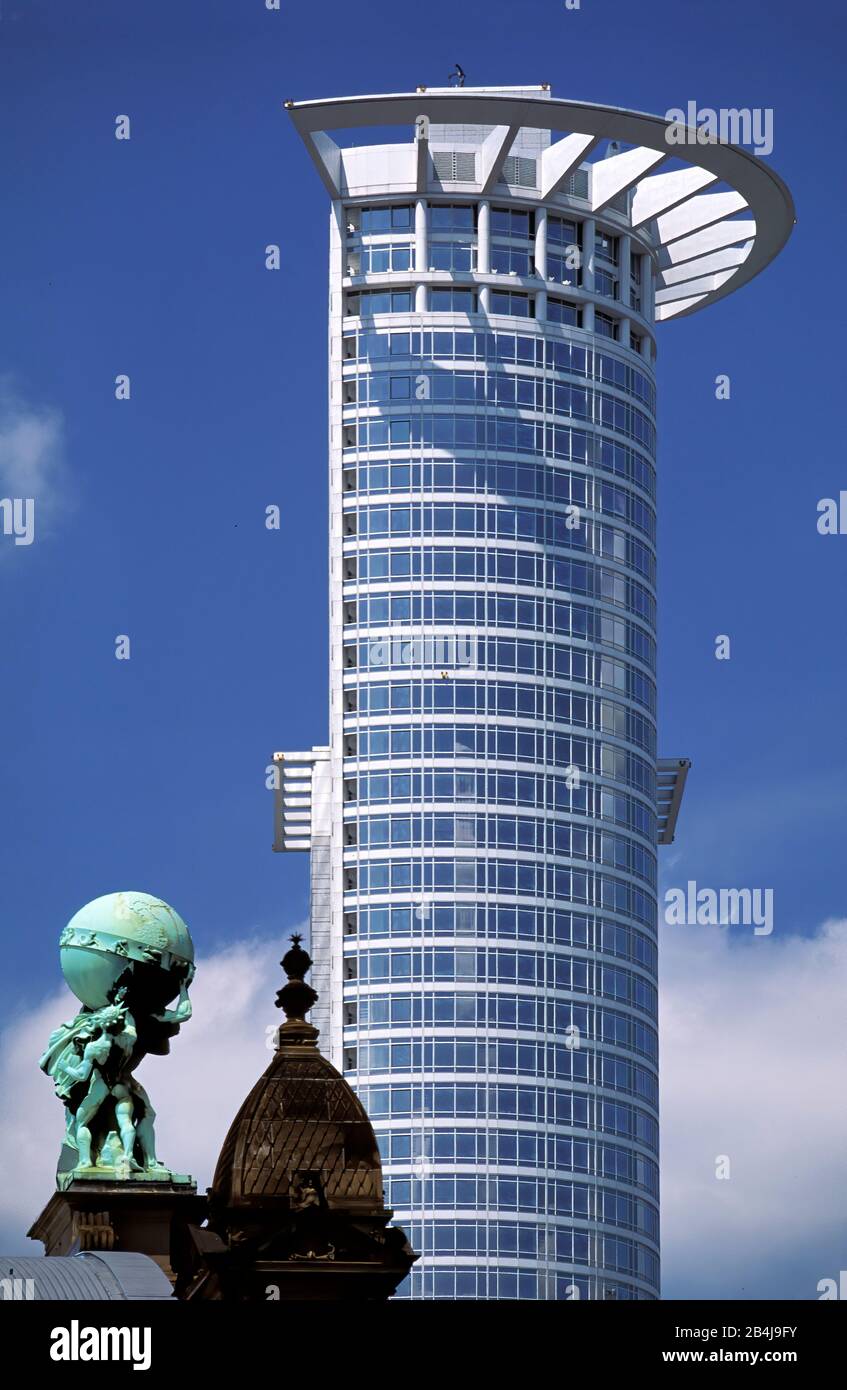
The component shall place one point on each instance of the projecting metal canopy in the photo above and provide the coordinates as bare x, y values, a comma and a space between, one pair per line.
689, 226
670, 784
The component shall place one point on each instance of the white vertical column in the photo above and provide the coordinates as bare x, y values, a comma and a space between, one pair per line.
589, 227
647, 288
483, 251
624, 281
321, 945
541, 261
421, 252
331, 1004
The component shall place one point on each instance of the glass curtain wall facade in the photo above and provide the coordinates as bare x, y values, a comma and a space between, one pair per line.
484, 820
495, 671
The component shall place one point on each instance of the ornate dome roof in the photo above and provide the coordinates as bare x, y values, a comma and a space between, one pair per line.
301, 1120
302, 1133
296, 1208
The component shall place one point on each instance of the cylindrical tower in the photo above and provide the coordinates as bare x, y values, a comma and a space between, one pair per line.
484, 823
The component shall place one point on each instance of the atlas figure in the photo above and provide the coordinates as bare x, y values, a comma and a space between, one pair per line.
125, 956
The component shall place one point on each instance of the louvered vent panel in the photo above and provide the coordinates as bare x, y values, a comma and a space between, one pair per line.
576, 184
454, 166
520, 172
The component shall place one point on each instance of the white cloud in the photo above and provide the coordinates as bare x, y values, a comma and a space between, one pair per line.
753, 1065
32, 461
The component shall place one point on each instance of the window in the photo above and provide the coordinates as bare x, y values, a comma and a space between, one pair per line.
520, 305
606, 247
452, 300
605, 326
566, 269
510, 260
561, 232
384, 219
512, 222
379, 302
451, 217
375, 260
452, 255
635, 272
606, 283
560, 311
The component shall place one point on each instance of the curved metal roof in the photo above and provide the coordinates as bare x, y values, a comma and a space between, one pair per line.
705, 252
112, 1275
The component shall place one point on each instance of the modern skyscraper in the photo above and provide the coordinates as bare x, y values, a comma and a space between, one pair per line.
485, 819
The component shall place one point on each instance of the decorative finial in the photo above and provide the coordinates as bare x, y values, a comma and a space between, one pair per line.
296, 997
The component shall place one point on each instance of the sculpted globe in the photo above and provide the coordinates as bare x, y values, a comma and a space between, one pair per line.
127, 957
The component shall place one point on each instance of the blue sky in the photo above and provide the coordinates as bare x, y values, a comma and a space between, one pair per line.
146, 257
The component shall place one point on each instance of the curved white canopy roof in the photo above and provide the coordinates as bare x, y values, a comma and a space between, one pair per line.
705, 250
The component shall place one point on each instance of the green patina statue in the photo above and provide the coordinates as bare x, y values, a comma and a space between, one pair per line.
126, 956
